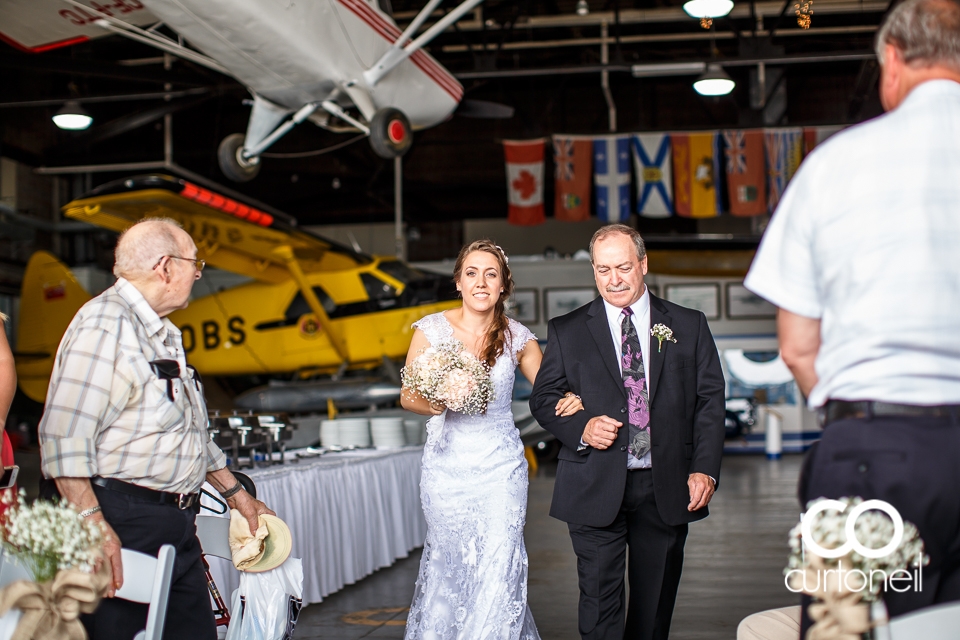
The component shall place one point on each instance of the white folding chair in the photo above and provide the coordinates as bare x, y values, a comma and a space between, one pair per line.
147, 580
939, 622
12, 570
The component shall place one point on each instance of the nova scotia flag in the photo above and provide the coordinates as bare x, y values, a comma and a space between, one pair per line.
611, 177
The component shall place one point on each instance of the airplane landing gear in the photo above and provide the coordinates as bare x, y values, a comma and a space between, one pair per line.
390, 133
233, 165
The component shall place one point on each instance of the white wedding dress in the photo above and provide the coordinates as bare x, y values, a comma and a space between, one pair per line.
473, 573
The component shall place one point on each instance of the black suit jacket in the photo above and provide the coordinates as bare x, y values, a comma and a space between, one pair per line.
686, 412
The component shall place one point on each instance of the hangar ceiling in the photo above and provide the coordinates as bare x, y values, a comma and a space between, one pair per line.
538, 56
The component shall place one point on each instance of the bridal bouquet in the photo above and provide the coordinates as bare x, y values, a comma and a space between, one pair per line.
843, 574
450, 375
49, 536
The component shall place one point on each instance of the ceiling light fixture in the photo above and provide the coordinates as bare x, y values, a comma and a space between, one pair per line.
72, 117
707, 10
714, 82
582, 8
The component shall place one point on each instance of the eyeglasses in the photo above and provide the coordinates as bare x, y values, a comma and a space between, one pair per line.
198, 264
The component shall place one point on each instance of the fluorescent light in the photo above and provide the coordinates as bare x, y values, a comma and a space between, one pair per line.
708, 8
72, 117
582, 8
714, 82
668, 69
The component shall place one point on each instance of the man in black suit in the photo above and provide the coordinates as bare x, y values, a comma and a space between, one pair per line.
643, 458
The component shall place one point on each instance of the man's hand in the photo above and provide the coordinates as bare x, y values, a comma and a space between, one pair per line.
701, 490
250, 508
601, 432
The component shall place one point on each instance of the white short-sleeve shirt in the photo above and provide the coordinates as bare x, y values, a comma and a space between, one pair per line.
867, 239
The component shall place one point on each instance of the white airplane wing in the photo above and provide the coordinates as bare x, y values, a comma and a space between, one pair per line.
41, 25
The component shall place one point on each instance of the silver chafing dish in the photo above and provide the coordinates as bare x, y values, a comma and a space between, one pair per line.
249, 434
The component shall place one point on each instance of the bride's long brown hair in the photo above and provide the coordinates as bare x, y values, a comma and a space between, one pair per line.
497, 335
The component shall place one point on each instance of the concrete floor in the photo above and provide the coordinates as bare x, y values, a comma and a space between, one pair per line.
733, 566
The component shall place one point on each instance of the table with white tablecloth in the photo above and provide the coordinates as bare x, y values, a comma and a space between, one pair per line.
349, 513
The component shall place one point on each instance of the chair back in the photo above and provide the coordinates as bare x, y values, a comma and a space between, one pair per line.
214, 535
147, 580
939, 622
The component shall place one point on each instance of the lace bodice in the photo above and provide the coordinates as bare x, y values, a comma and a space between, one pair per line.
438, 330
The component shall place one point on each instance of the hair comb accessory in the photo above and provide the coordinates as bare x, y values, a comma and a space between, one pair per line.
506, 260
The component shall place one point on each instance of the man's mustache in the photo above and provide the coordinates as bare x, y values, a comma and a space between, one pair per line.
616, 288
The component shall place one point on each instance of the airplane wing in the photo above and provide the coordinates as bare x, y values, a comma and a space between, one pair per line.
229, 234
41, 25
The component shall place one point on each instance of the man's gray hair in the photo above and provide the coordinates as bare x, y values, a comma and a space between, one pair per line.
141, 246
926, 32
612, 229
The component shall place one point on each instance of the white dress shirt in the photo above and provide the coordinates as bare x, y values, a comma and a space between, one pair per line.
865, 239
641, 322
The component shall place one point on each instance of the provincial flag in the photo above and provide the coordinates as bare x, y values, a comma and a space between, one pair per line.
812, 136
573, 158
746, 172
524, 181
784, 149
653, 163
611, 177
696, 170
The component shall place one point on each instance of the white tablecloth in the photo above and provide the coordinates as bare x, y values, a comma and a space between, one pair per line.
350, 514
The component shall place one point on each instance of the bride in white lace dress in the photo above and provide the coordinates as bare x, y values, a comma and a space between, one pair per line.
473, 573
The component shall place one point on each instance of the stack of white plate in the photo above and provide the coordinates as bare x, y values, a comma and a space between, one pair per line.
387, 432
413, 429
330, 433
354, 432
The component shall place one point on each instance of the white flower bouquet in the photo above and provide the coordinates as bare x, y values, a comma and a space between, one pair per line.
49, 536
450, 375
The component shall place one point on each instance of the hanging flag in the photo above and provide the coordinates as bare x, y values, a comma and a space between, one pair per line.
573, 158
746, 172
784, 148
653, 164
611, 177
524, 181
812, 136
695, 173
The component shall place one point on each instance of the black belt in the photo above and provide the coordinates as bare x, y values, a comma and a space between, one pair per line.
844, 410
180, 500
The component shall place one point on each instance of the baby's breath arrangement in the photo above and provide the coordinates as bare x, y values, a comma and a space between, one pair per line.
874, 530
450, 375
49, 536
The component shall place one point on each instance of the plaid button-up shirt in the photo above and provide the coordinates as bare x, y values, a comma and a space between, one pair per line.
108, 413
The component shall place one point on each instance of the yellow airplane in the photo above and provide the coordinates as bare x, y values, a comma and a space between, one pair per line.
314, 307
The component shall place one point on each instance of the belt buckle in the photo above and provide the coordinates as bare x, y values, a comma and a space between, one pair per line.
185, 500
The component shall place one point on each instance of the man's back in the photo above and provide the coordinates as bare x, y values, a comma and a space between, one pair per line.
866, 239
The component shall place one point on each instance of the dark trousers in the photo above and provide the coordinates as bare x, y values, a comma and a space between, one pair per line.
655, 563
912, 463
146, 527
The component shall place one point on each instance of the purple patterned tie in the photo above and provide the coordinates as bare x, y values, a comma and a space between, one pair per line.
634, 381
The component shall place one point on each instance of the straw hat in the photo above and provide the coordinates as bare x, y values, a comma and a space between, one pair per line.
266, 550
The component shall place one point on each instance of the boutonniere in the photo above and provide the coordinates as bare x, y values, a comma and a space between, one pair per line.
662, 332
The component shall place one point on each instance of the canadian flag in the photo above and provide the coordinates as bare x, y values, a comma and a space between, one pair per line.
525, 181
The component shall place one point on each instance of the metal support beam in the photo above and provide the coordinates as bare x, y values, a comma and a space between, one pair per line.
398, 208
605, 80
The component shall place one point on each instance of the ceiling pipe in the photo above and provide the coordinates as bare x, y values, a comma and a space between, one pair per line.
658, 37
694, 67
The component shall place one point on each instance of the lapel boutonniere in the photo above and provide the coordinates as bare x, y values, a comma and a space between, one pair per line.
662, 332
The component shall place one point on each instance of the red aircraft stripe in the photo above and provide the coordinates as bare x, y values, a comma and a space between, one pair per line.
390, 33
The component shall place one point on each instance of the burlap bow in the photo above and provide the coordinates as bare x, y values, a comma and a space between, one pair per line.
839, 614
51, 609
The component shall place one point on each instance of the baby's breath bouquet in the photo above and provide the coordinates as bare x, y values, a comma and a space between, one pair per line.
450, 375
49, 536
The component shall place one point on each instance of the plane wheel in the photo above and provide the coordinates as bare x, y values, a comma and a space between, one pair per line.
232, 164
390, 133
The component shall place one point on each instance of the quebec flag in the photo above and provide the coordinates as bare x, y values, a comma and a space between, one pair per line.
611, 177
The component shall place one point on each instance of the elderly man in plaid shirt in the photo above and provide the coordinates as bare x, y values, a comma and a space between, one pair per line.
124, 428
